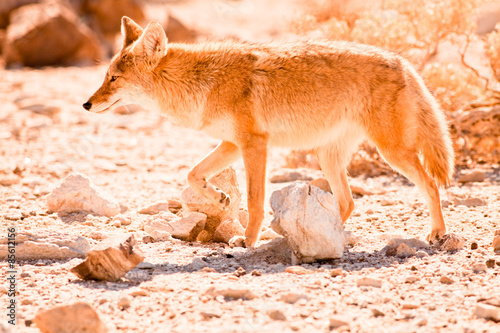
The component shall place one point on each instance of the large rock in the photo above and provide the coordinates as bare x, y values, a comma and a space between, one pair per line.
309, 219
193, 202
75, 318
47, 34
7, 6
77, 193
45, 244
177, 32
110, 260
106, 15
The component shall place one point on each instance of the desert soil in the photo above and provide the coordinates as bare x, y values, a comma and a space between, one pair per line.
140, 158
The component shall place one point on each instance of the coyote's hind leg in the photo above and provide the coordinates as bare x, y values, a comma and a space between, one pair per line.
222, 156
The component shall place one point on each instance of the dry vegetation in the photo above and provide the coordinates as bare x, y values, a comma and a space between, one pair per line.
417, 29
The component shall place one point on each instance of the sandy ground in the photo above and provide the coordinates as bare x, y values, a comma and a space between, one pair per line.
140, 158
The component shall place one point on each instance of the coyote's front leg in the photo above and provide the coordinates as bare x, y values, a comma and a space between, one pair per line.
254, 152
222, 156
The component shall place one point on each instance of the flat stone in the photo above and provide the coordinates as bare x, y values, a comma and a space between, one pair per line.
368, 282
298, 270
472, 176
110, 260
292, 298
471, 202
487, 312
9, 179
46, 244
77, 317
231, 293
155, 208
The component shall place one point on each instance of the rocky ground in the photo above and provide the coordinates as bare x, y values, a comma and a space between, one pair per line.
139, 158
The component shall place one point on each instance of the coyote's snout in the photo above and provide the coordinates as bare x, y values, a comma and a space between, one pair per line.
323, 95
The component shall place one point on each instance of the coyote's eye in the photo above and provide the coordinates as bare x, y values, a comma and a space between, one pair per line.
114, 78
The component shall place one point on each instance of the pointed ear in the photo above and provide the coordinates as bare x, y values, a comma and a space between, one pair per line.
152, 43
131, 31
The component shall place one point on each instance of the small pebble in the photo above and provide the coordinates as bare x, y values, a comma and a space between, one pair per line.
473, 246
369, 282
240, 272
336, 272
479, 268
124, 302
490, 263
446, 280
277, 315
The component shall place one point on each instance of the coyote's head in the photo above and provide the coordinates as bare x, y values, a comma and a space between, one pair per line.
128, 78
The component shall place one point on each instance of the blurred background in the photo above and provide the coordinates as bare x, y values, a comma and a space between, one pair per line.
55, 53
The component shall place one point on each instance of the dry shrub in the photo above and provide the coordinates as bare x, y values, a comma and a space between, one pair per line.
453, 86
493, 50
414, 29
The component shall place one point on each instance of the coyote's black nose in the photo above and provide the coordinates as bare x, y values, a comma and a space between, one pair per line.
87, 106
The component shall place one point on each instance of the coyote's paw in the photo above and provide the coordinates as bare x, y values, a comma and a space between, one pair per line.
237, 241
221, 199
435, 235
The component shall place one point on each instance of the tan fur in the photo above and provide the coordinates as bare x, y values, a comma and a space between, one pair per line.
321, 95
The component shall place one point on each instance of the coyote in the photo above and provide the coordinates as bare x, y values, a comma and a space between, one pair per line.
325, 96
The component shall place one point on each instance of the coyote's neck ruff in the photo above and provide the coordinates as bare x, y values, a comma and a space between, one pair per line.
326, 96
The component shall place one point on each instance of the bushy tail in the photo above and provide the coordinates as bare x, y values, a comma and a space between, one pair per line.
434, 141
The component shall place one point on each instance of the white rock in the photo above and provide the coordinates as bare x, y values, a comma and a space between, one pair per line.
123, 219
78, 317
309, 219
227, 229
487, 312
161, 235
479, 268
186, 228
46, 244
369, 282
155, 208
77, 193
